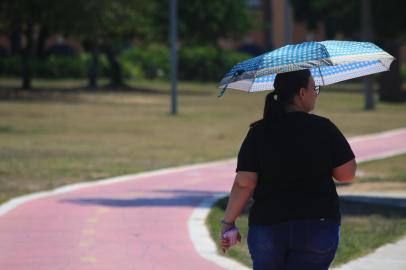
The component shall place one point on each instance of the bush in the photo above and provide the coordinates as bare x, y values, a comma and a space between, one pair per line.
200, 63
104, 66
207, 63
59, 67
10, 65
54, 66
403, 71
149, 62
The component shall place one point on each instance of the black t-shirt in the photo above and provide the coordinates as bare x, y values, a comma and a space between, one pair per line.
294, 158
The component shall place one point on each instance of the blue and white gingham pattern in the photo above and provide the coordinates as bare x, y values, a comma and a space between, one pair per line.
285, 56
336, 60
345, 48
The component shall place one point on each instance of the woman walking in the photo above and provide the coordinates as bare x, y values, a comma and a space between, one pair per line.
287, 163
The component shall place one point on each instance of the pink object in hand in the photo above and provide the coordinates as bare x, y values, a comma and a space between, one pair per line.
232, 235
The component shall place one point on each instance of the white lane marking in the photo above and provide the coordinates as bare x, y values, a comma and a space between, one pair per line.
378, 135
381, 155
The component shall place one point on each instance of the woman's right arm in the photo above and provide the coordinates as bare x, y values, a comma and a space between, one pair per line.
343, 159
243, 187
345, 172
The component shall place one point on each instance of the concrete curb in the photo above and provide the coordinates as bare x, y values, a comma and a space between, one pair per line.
200, 236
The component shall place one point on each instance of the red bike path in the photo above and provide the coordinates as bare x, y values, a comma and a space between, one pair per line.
131, 222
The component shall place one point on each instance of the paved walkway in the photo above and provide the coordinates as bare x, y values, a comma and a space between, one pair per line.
390, 256
143, 221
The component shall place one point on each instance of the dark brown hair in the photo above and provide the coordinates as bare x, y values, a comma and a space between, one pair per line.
286, 85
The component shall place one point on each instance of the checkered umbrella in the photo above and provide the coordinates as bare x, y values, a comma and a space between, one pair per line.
328, 61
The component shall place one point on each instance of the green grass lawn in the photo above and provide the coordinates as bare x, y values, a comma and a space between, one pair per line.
62, 138
364, 228
392, 170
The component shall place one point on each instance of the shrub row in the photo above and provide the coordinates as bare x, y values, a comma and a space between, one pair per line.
151, 62
54, 66
194, 63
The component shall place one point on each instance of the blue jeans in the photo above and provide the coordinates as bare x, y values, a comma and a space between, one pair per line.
296, 245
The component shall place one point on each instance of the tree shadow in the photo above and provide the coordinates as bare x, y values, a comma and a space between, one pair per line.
367, 205
354, 206
72, 94
167, 198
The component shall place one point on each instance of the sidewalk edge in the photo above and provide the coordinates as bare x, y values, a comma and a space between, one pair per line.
202, 241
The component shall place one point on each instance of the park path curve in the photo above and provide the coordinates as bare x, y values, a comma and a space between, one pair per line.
143, 221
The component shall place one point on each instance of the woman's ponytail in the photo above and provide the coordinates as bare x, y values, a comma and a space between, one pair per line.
273, 108
286, 85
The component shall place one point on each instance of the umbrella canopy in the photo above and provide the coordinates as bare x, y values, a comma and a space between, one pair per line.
328, 61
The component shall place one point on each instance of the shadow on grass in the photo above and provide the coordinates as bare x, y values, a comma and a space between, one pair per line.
155, 198
355, 206
366, 206
71, 94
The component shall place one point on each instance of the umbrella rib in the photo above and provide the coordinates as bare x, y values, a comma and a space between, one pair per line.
321, 75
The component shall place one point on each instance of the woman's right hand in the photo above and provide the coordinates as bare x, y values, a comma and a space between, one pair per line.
225, 242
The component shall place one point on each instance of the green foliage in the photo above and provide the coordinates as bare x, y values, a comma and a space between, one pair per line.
59, 66
201, 22
403, 71
106, 25
54, 66
207, 21
149, 62
201, 63
198, 62
344, 16
206, 63
10, 65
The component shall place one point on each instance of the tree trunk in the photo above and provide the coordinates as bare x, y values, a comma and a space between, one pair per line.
266, 13
366, 27
42, 37
27, 58
94, 65
15, 39
116, 79
390, 89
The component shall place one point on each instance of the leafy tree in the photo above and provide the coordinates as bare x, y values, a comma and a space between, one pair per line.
103, 24
202, 22
107, 26
344, 16
19, 17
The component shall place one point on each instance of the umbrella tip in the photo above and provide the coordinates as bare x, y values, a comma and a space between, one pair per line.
236, 74
221, 93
